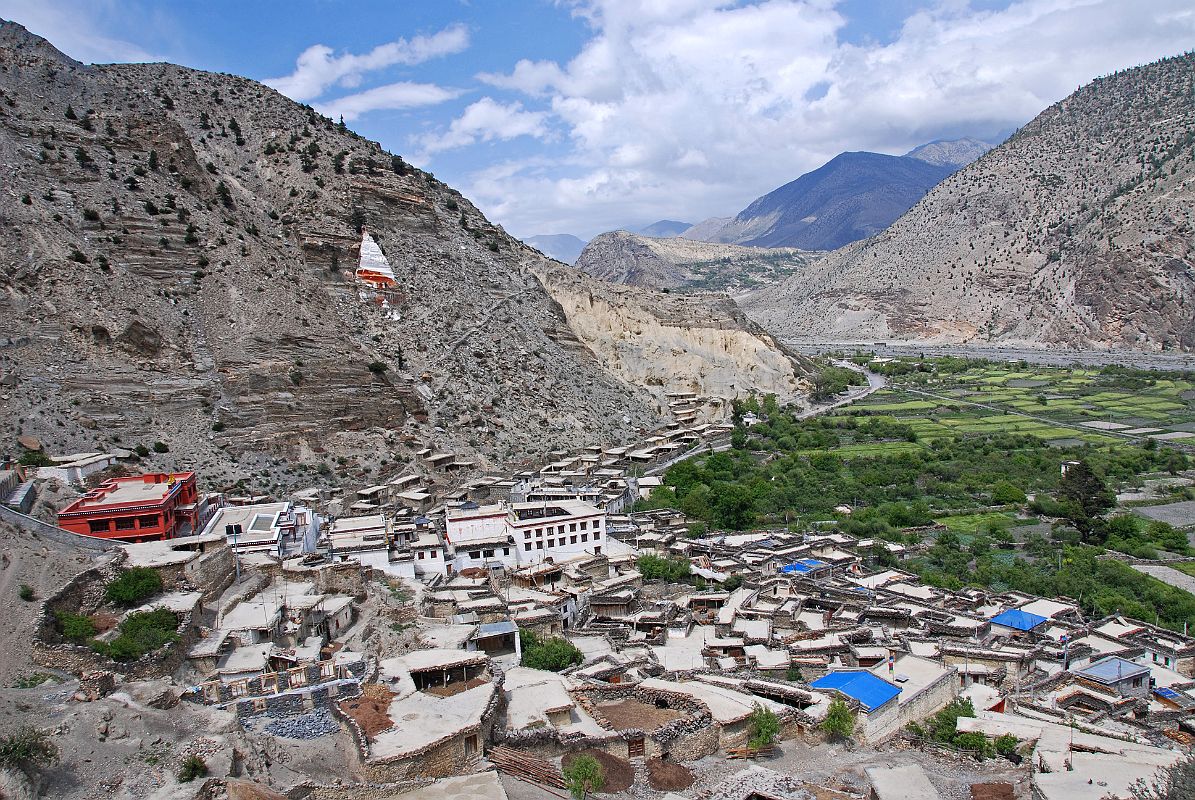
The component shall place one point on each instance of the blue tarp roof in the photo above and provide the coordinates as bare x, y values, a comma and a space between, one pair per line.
1018, 619
803, 565
871, 691
1111, 669
1167, 693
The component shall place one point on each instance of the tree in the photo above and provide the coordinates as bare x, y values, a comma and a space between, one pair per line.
764, 727
1176, 782
1084, 496
840, 720
584, 775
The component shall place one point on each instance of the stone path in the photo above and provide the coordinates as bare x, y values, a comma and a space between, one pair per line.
1179, 580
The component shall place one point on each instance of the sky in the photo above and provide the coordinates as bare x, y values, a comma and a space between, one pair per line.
582, 116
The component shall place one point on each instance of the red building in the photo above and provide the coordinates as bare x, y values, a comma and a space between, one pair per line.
139, 508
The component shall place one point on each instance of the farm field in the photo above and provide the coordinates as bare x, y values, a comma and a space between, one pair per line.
1090, 404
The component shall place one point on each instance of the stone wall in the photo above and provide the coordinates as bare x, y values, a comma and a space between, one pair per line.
212, 572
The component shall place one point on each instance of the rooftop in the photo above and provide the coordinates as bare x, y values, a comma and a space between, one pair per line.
870, 690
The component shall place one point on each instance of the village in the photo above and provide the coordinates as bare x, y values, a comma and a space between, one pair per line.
475, 638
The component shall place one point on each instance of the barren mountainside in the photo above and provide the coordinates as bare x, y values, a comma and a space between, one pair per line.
1077, 231
681, 263
176, 265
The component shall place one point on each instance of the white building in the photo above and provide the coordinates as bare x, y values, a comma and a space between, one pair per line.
516, 534
273, 528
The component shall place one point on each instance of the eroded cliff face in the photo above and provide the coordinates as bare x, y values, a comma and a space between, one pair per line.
675, 343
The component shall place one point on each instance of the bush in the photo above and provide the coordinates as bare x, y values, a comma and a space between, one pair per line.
584, 775
26, 593
161, 447
28, 749
553, 655
140, 633
975, 742
75, 627
840, 720
35, 458
377, 367
133, 586
192, 767
1006, 744
765, 726
673, 570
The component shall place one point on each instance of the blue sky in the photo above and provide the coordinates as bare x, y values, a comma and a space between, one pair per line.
581, 116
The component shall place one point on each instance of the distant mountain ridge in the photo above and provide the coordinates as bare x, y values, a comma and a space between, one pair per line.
1077, 231
560, 246
955, 153
851, 197
664, 229
676, 263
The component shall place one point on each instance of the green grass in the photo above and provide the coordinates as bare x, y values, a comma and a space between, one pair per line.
972, 524
1187, 568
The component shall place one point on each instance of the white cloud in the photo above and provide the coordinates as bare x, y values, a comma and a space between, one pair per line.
318, 68
390, 96
484, 121
691, 108
78, 29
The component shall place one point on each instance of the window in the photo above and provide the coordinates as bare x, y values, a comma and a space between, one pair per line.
148, 521
433, 554
1167, 661
505, 551
1136, 683
551, 543
539, 545
98, 525
420, 555
585, 537
572, 539
597, 550
527, 546
560, 529
474, 554
488, 553
584, 524
597, 535
572, 527
526, 534
125, 523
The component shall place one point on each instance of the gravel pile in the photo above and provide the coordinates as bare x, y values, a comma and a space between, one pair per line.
311, 725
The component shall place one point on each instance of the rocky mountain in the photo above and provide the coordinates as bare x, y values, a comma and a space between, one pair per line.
664, 229
678, 263
1076, 231
700, 343
560, 246
954, 153
177, 254
852, 197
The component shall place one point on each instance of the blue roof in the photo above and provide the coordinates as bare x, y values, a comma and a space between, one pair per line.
871, 691
803, 565
1111, 669
1018, 619
1167, 693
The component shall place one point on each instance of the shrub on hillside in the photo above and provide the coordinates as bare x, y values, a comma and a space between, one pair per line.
133, 586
